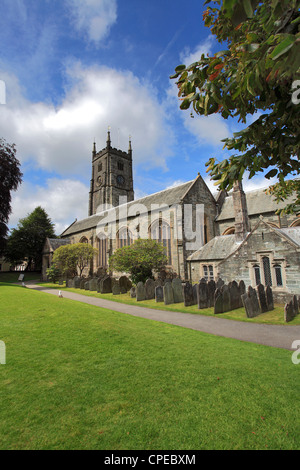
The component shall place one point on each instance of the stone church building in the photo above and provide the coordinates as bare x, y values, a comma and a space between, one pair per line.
233, 236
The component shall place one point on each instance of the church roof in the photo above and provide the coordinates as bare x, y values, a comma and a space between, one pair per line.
54, 243
258, 203
216, 249
168, 197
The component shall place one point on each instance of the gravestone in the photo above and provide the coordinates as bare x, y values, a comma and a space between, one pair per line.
87, 285
133, 292
289, 312
235, 297
60, 282
149, 289
195, 298
219, 283
125, 284
116, 288
262, 300
242, 288
296, 305
218, 307
226, 298
77, 282
140, 292
82, 282
202, 294
211, 289
177, 290
106, 285
93, 284
188, 294
269, 298
250, 302
159, 294
168, 293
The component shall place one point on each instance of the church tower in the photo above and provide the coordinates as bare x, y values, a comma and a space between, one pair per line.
111, 177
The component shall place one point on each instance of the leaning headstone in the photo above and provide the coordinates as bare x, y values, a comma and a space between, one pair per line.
262, 300
149, 289
188, 295
250, 302
195, 295
87, 285
218, 307
269, 298
105, 285
226, 298
140, 292
168, 293
242, 287
159, 294
133, 292
202, 294
177, 290
219, 283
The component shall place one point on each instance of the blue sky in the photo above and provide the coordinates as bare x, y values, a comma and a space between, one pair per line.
74, 67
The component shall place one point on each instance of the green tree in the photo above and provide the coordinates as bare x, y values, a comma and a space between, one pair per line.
28, 239
10, 179
139, 259
72, 259
257, 72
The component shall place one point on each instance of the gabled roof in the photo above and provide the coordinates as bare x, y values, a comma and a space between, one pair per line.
258, 203
216, 249
54, 243
168, 197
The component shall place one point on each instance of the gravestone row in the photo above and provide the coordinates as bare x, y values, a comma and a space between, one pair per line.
228, 297
103, 285
291, 309
257, 301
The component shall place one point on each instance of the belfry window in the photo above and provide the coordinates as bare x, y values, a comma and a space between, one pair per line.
120, 166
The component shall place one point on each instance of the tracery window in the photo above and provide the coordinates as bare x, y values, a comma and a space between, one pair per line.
160, 231
124, 237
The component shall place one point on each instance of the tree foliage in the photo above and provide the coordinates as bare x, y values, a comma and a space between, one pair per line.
28, 239
139, 259
10, 178
71, 259
256, 73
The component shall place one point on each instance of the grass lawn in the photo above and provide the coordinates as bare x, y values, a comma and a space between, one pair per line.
82, 377
274, 317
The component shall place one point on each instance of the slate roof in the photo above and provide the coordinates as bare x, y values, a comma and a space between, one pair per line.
291, 233
258, 203
55, 243
216, 249
168, 196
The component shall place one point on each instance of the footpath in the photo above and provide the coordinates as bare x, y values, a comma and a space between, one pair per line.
278, 336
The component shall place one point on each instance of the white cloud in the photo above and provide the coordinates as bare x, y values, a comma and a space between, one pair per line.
63, 200
60, 139
93, 18
189, 56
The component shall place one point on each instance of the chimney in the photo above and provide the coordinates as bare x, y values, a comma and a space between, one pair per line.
242, 224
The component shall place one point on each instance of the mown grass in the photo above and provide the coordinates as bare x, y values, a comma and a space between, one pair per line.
274, 317
82, 377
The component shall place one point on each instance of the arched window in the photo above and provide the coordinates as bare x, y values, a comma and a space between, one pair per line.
296, 222
160, 231
102, 249
83, 240
124, 237
229, 231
